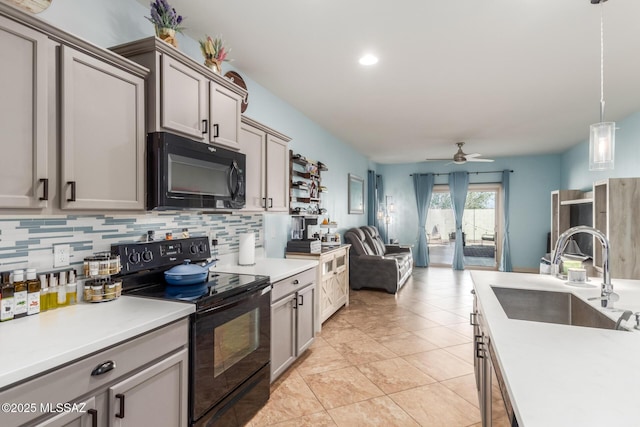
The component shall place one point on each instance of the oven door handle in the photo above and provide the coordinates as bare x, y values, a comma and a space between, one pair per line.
236, 300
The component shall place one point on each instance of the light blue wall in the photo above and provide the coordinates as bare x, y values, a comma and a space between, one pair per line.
533, 179
575, 162
109, 23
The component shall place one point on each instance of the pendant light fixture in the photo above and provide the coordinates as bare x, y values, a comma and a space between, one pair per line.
602, 136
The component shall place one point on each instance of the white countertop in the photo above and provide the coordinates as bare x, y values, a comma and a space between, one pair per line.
276, 268
561, 375
35, 344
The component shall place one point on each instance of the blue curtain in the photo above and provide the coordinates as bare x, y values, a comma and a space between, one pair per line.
505, 258
458, 185
372, 200
423, 187
380, 198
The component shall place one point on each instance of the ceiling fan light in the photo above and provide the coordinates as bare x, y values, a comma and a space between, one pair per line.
602, 140
459, 162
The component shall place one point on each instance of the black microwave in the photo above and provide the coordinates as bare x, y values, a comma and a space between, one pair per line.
186, 174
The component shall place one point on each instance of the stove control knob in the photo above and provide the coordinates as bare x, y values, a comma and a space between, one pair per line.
202, 247
134, 257
193, 249
147, 255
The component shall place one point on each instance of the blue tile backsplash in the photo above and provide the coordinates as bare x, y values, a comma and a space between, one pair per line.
27, 241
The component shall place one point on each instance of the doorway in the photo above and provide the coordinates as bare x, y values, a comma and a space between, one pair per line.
480, 227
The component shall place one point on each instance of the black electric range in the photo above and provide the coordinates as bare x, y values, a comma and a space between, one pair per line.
230, 332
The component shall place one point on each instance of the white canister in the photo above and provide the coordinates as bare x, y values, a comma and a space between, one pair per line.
247, 252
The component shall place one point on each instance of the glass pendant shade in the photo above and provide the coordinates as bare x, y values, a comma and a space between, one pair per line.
602, 138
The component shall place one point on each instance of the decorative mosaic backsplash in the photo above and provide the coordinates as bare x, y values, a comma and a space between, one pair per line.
27, 241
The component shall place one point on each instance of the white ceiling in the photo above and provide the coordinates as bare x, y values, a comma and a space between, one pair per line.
509, 77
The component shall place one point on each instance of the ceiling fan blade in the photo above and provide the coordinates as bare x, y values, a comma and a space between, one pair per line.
437, 160
479, 160
473, 155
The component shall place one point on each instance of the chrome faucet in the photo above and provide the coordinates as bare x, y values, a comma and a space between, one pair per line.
607, 296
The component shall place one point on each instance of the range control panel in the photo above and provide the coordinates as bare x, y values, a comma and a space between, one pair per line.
164, 253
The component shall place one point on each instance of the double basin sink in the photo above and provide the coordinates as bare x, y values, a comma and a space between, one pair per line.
551, 307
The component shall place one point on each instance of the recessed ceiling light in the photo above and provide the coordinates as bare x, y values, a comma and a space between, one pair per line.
368, 60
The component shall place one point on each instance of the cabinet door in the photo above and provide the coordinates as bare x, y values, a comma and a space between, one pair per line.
283, 335
252, 144
305, 325
277, 175
157, 396
341, 291
102, 135
23, 117
183, 102
224, 116
86, 415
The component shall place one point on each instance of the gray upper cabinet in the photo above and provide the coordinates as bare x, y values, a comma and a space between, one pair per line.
184, 96
267, 175
224, 116
102, 135
73, 131
24, 178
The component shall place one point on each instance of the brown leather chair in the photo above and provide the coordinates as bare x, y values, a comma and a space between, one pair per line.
372, 264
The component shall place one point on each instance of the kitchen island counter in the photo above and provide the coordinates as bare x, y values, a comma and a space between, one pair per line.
34, 345
561, 375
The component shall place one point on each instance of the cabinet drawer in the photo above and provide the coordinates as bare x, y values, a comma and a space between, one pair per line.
73, 381
291, 284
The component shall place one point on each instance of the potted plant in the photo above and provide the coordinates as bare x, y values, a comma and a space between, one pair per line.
214, 52
166, 21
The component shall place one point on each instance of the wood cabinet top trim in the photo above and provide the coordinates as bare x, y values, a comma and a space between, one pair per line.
66, 38
154, 44
256, 124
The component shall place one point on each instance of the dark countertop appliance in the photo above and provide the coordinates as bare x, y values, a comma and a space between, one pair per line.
230, 332
187, 174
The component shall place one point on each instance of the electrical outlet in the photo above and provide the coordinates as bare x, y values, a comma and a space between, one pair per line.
61, 255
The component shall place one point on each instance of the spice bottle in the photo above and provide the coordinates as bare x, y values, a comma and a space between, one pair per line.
19, 294
33, 292
62, 289
44, 293
53, 291
72, 288
6, 304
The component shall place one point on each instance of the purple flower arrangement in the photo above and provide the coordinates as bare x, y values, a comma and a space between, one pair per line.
164, 16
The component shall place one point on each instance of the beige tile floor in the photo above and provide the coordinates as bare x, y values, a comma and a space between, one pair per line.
387, 360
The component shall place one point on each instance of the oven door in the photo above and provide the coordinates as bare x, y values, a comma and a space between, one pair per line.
229, 344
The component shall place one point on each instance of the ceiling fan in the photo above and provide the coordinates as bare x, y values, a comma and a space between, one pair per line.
460, 157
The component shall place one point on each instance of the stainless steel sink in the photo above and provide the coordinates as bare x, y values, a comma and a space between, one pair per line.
550, 307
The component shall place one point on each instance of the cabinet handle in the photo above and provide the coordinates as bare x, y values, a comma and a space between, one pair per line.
205, 126
103, 368
216, 130
264, 202
73, 191
295, 282
479, 349
45, 189
94, 417
270, 202
301, 302
295, 303
120, 413
473, 319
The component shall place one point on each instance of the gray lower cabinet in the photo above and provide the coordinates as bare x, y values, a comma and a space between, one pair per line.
162, 387
143, 382
292, 319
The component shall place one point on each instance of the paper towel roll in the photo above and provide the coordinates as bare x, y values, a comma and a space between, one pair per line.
247, 254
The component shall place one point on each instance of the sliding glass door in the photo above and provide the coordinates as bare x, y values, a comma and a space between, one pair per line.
480, 226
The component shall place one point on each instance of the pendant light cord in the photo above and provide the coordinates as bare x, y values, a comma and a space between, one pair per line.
601, 62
